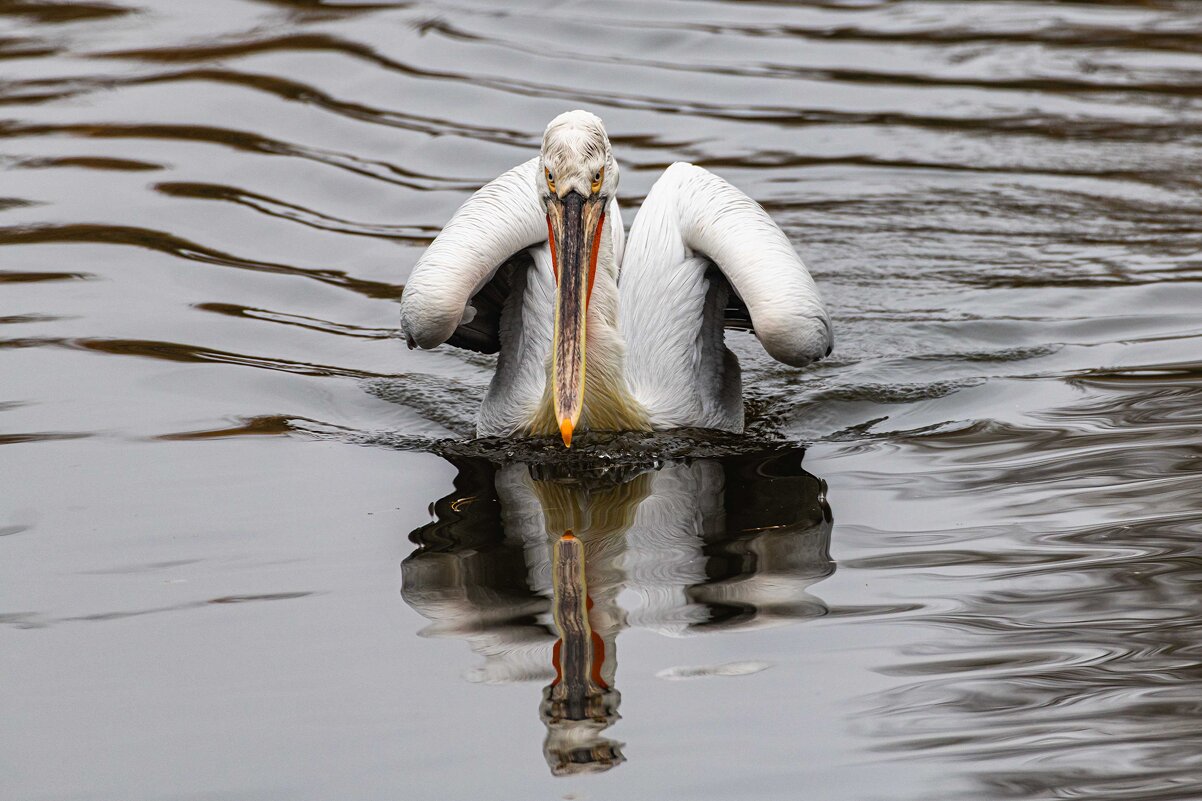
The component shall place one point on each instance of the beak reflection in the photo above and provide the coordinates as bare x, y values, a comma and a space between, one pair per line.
578, 705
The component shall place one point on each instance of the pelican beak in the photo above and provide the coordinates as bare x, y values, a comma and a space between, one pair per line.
574, 225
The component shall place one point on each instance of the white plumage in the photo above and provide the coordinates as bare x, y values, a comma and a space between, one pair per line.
654, 355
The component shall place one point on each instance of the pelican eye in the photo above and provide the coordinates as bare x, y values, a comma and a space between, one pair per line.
597, 178
550, 180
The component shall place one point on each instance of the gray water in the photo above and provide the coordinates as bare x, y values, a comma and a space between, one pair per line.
248, 554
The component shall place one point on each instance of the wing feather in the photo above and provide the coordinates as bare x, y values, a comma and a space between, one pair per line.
690, 211
502, 218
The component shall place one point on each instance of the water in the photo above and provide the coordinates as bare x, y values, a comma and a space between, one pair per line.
247, 554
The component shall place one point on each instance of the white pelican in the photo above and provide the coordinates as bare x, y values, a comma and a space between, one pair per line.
592, 334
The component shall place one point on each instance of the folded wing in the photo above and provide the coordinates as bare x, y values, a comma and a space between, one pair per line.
503, 218
701, 256
709, 217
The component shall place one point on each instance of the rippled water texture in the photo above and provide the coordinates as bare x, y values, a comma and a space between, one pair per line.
245, 552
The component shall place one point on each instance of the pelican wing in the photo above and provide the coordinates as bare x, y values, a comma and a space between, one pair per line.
691, 212
503, 218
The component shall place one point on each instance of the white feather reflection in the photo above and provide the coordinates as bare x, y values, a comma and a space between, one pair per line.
688, 548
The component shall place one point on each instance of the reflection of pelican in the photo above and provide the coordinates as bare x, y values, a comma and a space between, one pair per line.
692, 548
529, 267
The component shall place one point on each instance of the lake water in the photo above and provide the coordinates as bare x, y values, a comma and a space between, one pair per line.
247, 553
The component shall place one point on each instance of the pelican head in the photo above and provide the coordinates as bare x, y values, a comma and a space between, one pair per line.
577, 180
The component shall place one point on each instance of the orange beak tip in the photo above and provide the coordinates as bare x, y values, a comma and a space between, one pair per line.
565, 431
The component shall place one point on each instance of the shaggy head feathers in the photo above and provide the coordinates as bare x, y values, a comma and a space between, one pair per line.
575, 148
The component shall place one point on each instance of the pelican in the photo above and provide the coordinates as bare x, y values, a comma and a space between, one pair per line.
597, 330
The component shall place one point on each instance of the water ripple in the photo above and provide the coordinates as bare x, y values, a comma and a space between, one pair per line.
999, 201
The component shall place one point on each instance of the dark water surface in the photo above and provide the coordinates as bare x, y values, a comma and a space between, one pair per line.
234, 565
